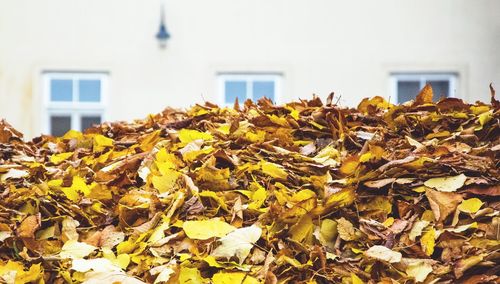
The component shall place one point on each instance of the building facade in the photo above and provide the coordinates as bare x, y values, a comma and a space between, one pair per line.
71, 63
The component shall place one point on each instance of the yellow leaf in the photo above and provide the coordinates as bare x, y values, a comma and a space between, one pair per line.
19, 275
166, 181
302, 231
388, 222
233, 278
278, 120
74, 249
293, 112
122, 260
485, 117
328, 233
419, 270
206, 229
274, 170
471, 205
446, 184
355, 279
428, 241
58, 158
477, 110
149, 141
71, 193
190, 156
166, 159
258, 197
224, 128
188, 135
349, 165
127, 246
101, 142
215, 197
190, 276
73, 134
256, 137
303, 195
80, 185
328, 156
438, 134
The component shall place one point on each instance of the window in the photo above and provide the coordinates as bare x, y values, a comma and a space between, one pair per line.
249, 86
406, 87
73, 101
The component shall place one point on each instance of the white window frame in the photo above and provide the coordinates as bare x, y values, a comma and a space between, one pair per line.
249, 78
75, 109
451, 77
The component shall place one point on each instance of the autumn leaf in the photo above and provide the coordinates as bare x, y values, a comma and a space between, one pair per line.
446, 184
238, 243
425, 95
442, 203
384, 254
428, 241
74, 249
202, 230
471, 205
419, 270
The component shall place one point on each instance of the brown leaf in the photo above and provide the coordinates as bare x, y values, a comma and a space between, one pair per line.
442, 203
425, 96
29, 226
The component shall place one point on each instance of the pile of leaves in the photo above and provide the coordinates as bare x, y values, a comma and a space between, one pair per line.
304, 192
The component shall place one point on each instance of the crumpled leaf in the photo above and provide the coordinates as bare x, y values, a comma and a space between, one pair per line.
238, 243
383, 253
442, 203
346, 230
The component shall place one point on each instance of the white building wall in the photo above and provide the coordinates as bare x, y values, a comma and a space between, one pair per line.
350, 47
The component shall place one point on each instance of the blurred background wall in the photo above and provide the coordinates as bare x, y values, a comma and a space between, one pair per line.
70, 63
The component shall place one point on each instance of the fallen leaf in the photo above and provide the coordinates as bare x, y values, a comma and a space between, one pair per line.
442, 203
446, 184
471, 205
238, 243
74, 250
419, 270
384, 254
202, 230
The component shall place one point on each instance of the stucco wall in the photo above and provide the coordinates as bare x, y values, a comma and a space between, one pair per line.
319, 46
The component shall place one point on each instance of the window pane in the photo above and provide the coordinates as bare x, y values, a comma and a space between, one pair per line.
89, 121
440, 89
60, 124
407, 90
263, 89
89, 90
235, 89
61, 90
